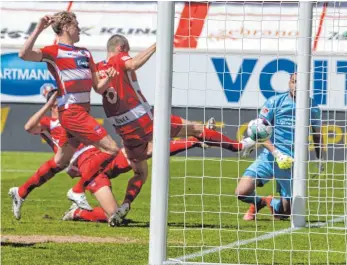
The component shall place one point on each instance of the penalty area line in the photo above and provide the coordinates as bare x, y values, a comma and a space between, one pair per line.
183, 259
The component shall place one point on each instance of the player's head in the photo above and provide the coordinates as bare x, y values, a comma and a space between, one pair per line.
65, 24
117, 43
292, 84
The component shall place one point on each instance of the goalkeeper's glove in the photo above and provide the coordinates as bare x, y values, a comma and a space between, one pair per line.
284, 161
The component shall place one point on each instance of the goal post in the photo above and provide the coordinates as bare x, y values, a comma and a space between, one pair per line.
161, 134
302, 115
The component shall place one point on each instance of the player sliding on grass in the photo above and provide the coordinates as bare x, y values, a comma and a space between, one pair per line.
275, 161
74, 71
83, 160
132, 117
100, 187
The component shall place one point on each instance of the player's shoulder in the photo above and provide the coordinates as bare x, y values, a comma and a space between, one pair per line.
122, 56
277, 99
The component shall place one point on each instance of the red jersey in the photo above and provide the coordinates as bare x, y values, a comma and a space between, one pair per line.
51, 130
72, 69
124, 105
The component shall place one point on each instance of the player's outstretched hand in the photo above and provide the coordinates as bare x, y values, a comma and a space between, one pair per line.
45, 22
284, 161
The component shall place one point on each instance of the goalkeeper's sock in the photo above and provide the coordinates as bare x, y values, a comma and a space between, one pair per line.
214, 138
276, 205
251, 199
134, 187
96, 215
180, 145
42, 175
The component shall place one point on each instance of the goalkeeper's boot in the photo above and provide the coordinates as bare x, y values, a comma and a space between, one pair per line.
124, 209
252, 211
80, 199
248, 146
115, 219
17, 202
69, 215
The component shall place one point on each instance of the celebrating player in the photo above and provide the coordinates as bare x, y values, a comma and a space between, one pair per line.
132, 117
74, 70
280, 112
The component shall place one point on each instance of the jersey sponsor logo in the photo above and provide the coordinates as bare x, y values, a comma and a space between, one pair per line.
82, 62
21, 78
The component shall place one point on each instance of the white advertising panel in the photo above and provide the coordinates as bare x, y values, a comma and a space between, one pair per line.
199, 80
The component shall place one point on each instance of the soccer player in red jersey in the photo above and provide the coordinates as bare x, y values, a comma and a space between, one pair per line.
74, 70
132, 117
100, 187
49, 128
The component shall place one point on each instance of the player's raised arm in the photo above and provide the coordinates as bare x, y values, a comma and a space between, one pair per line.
27, 53
33, 125
140, 59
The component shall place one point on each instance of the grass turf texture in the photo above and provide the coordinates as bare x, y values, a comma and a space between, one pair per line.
203, 213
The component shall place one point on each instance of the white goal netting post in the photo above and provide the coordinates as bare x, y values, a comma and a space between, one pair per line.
244, 54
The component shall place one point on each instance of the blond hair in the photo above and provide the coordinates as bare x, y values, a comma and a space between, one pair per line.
62, 19
118, 40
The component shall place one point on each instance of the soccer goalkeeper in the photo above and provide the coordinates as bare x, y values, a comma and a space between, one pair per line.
276, 160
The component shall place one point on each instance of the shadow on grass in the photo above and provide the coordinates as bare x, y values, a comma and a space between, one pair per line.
17, 245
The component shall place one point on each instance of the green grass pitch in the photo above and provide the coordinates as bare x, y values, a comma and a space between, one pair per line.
203, 214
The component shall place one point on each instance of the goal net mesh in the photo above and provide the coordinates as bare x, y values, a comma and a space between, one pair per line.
237, 56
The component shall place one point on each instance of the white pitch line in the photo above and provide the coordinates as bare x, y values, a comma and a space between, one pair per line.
182, 259
17, 170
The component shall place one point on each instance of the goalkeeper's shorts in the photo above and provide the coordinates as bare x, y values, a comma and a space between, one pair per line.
265, 168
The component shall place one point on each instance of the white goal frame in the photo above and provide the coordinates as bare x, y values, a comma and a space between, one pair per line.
163, 93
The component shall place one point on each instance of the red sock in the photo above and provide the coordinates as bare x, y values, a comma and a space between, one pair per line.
133, 189
42, 175
215, 138
90, 169
180, 145
96, 215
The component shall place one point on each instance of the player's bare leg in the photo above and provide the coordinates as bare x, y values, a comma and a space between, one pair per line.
46, 171
245, 193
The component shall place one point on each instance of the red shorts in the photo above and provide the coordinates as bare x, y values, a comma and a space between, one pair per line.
136, 149
80, 125
99, 182
86, 163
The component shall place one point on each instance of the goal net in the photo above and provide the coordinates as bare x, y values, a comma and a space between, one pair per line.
230, 58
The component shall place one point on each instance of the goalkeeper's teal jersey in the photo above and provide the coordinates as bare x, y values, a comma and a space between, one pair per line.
279, 110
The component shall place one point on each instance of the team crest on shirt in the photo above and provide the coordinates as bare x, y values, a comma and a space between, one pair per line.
264, 111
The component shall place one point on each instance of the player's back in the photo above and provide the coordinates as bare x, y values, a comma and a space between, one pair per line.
71, 68
124, 104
